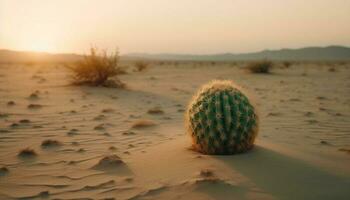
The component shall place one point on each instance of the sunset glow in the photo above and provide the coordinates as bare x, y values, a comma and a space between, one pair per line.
157, 26
175, 99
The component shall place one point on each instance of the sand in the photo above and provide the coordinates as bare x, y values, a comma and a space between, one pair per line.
105, 143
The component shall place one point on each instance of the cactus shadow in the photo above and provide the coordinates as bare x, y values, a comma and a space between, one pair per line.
286, 177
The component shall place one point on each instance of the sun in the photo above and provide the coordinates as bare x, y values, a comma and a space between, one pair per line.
40, 46
39, 43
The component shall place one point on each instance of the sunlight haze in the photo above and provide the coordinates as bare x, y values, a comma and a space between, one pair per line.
164, 26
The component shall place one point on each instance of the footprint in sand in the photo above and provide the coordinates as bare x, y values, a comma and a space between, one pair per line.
72, 132
81, 150
99, 117
14, 125
129, 179
181, 110
324, 142
100, 127
112, 148
34, 96
107, 110
11, 103
34, 106
27, 153
49, 143
322, 109
107, 134
344, 150
155, 111
127, 133
321, 98
4, 171
24, 121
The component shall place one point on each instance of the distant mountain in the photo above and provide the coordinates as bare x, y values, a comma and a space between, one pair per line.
329, 53
9, 56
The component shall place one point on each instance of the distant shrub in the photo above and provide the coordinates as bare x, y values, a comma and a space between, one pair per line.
141, 65
95, 69
287, 64
331, 69
233, 64
263, 66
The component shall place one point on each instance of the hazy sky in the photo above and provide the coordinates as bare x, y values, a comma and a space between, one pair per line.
173, 26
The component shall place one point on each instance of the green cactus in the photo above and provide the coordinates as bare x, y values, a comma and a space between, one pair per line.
221, 120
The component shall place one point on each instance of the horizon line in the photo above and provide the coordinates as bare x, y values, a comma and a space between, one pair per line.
190, 54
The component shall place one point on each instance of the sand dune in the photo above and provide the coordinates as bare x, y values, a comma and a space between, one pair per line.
96, 143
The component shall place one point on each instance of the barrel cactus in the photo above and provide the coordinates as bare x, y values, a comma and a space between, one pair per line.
221, 119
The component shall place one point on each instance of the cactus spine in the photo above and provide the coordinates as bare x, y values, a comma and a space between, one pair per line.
221, 119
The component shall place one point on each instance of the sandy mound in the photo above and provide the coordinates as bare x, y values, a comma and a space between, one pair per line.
50, 143
100, 127
34, 96
143, 124
4, 171
24, 121
27, 153
108, 110
155, 111
34, 106
11, 103
109, 163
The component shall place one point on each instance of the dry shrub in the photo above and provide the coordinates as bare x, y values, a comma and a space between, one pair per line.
263, 66
96, 69
287, 64
141, 65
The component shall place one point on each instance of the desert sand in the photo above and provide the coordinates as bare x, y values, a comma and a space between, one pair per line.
59, 141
